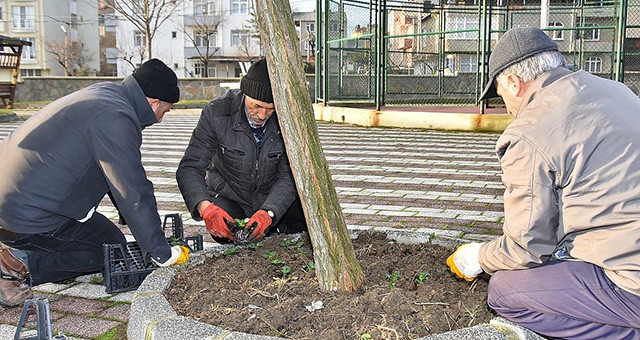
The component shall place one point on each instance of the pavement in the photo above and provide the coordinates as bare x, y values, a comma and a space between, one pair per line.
406, 181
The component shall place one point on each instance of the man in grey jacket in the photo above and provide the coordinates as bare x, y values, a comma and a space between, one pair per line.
568, 262
58, 166
236, 165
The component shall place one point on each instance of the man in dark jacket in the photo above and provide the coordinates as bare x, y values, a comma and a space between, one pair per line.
59, 165
236, 164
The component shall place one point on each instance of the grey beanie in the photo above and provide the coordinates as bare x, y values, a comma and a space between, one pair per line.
256, 83
517, 44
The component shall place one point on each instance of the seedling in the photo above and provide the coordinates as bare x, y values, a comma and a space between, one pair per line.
270, 255
231, 251
309, 266
285, 270
420, 278
286, 243
277, 261
393, 279
255, 245
174, 241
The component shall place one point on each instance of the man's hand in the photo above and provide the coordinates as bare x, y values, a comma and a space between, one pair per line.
214, 218
464, 261
179, 255
262, 220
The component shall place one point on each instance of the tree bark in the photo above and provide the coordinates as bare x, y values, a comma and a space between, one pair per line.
336, 264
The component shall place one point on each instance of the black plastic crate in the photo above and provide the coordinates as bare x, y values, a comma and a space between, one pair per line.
174, 222
124, 265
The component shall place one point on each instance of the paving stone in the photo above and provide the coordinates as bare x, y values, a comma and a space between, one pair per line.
396, 213
123, 297
78, 305
118, 312
53, 287
87, 291
83, 326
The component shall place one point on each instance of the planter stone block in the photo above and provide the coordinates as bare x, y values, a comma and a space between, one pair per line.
146, 312
185, 329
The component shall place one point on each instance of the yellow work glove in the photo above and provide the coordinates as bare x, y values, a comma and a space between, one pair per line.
464, 261
179, 255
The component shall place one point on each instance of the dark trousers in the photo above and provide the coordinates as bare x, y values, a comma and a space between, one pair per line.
566, 300
72, 250
292, 222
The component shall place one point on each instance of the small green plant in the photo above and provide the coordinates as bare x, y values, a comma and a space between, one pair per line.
231, 251
241, 222
286, 243
365, 336
298, 245
255, 245
420, 278
285, 270
270, 255
393, 279
309, 266
174, 241
277, 261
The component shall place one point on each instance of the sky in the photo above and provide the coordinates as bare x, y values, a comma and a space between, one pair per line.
303, 5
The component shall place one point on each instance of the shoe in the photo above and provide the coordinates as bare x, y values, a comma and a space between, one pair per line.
14, 278
14, 292
13, 266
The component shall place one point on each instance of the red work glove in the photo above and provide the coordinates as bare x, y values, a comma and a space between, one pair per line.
214, 218
262, 220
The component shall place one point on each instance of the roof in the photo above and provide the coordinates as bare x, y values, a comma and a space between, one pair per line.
9, 41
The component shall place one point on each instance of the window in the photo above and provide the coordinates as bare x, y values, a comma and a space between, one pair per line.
204, 7
174, 34
333, 27
23, 18
556, 35
459, 23
2, 17
112, 55
139, 39
30, 73
593, 64
239, 6
199, 70
311, 27
591, 34
239, 37
29, 52
468, 63
201, 39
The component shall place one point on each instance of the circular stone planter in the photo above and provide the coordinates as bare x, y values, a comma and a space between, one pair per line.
153, 318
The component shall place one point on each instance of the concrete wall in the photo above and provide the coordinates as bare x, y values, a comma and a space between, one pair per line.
38, 89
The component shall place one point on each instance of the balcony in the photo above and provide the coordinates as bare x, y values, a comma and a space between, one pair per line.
191, 52
200, 20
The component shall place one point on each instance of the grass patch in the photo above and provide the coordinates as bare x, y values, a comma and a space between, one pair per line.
5, 112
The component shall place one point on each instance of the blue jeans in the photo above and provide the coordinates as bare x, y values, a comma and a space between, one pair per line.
72, 250
566, 299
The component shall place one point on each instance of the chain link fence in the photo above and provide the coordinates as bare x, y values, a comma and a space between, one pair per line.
436, 53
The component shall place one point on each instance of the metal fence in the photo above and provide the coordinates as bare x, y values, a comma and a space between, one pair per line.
417, 52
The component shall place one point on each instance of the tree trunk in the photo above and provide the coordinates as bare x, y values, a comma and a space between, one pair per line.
336, 264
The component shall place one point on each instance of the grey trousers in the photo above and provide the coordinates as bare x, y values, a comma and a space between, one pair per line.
567, 300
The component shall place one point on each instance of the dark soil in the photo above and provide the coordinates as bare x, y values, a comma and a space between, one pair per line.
408, 293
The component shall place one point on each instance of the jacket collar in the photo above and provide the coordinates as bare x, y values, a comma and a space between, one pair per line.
138, 100
540, 84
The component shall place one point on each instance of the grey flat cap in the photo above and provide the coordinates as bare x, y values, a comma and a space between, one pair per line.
517, 44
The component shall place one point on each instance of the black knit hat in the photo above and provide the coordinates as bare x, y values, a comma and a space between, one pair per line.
256, 84
158, 81
516, 45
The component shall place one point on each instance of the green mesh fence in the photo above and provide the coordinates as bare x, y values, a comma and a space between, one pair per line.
435, 53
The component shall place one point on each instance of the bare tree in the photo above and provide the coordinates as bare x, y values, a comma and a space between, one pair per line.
200, 31
72, 56
145, 15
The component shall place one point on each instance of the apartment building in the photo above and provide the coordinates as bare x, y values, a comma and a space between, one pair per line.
63, 34
205, 38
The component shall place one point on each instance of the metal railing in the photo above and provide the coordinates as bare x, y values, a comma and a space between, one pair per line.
413, 52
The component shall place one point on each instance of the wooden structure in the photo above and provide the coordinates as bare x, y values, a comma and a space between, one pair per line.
10, 54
